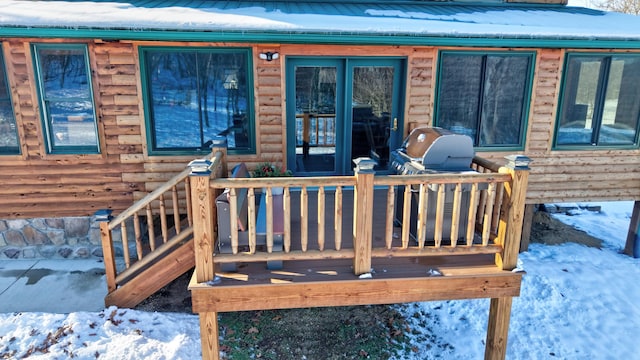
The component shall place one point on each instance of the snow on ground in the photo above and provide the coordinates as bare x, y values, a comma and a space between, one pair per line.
576, 303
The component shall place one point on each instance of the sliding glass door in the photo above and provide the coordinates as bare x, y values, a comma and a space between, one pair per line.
342, 109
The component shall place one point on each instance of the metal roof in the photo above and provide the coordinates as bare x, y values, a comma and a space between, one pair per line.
354, 22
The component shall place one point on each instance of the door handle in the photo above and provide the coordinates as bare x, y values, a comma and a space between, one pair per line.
395, 124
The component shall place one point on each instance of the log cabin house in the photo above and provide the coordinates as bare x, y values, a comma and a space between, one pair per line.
102, 107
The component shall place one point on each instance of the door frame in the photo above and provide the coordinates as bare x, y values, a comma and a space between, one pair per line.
344, 114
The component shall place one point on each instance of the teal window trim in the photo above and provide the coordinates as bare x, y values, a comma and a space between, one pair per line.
46, 118
8, 126
145, 75
528, 88
600, 99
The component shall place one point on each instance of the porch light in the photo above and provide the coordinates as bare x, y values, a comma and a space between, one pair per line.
269, 56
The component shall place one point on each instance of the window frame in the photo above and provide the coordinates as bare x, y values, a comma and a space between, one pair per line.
526, 103
152, 150
45, 116
8, 150
600, 98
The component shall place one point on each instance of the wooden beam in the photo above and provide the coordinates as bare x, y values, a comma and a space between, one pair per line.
632, 247
219, 298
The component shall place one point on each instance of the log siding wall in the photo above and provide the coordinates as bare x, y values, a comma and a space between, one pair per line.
36, 184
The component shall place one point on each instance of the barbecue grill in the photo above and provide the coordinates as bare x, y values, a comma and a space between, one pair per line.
431, 150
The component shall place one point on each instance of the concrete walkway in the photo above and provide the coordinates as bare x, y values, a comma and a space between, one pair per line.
52, 286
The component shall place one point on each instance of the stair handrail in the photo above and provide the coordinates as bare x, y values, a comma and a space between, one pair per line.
154, 195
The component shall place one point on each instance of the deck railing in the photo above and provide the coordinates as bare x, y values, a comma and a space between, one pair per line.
490, 200
149, 229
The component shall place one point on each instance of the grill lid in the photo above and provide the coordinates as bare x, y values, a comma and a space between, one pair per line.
439, 149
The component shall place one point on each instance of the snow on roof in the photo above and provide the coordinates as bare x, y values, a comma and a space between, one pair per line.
387, 18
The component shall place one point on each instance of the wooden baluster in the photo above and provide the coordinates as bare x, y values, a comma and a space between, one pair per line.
269, 203
406, 216
150, 230
488, 213
391, 194
304, 218
138, 234
473, 207
187, 190
321, 218
251, 223
421, 226
481, 206
176, 209
163, 220
455, 214
125, 244
233, 215
437, 236
286, 203
496, 209
337, 226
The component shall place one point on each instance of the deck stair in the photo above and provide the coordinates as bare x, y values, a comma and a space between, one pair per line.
142, 267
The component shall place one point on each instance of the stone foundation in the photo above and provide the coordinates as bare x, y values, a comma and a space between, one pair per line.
50, 238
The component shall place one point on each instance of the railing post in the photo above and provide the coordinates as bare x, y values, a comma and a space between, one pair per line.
103, 217
509, 234
510, 227
363, 215
202, 209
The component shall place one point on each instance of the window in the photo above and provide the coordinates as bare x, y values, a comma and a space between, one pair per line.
485, 96
66, 98
8, 131
600, 104
193, 95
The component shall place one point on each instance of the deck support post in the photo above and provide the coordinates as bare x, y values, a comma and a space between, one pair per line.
632, 247
511, 220
209, 335
529, 212
363, 215
498, 328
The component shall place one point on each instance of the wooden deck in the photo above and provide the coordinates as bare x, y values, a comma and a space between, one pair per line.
343, 244
343, 240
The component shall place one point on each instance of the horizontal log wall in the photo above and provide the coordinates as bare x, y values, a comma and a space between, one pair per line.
36, 184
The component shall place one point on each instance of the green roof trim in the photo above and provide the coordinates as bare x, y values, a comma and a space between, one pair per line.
366, 22
310, 38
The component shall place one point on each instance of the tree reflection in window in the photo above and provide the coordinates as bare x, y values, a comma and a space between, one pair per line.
194, 95
9, 144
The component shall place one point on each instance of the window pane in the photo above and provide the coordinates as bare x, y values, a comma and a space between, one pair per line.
579, 101
64, 73
458, 98
503, 100
8, 130
65, 89
198, 95
621, 106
